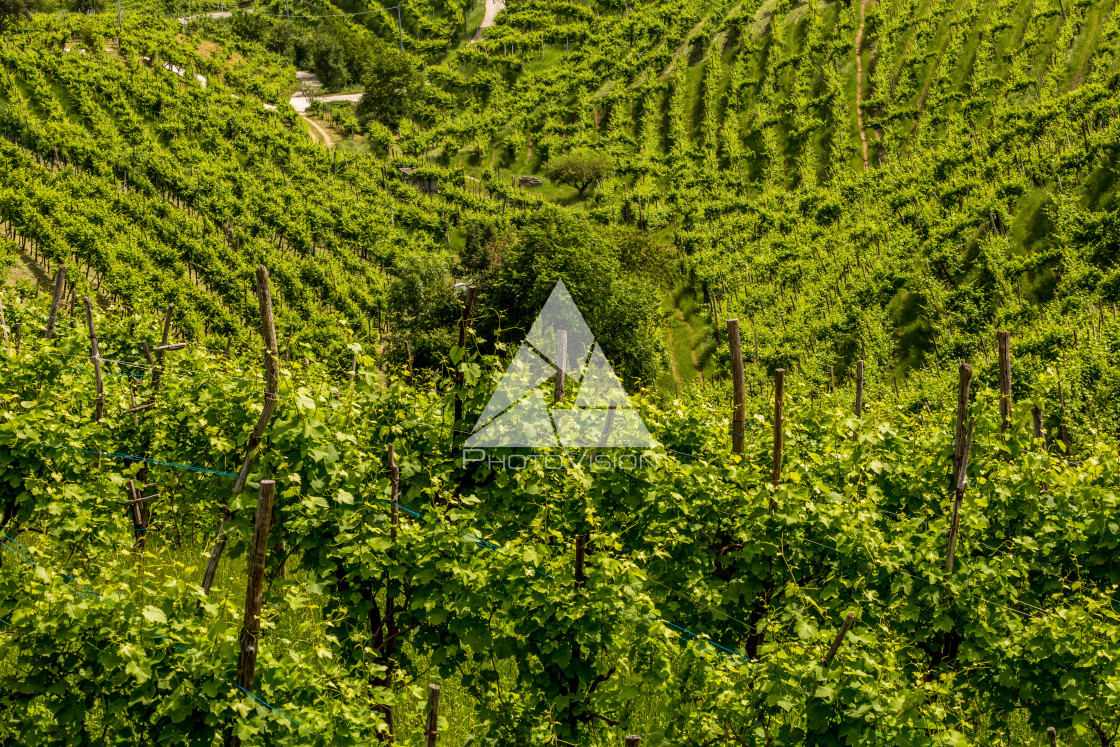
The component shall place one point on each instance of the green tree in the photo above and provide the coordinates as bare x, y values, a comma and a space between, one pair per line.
393, 81
14, 11
620, 307
579, 168
88, 6
329, 61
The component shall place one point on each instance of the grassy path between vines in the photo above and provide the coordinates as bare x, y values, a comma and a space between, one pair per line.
687, 336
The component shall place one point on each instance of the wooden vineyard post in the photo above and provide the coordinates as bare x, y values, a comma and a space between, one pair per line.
59, 282
755, 347
1052, 736
254, 589
411, 375
272, 374
832, 380
353, 369
4, 328
1003, 338
432, 732
157, 373
134, 503
562, 356
395, 482
463, 322
1062, 417
962, 448
16, 330
847, 624
963, 385
779, 416
388, 643
1036, 418
715, 317
272, 384
835, 647
95, 356
859, 394
633, 740
739, 391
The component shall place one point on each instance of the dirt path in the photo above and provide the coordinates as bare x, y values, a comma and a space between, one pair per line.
859, 84
321, 132
493, 7
685, 333
302, 103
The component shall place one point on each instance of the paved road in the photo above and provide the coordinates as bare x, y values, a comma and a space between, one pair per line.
301, 104
216, 14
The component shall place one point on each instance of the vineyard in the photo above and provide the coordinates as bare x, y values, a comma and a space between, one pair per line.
855, 264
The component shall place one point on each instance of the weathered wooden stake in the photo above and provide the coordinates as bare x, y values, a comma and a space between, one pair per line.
17, 330
779, 417
859, 389
739, 407
395, 484
756, 347
432, 732
411, 375
844, 627
272, 385
958, 497
1062, 416
581, 548
133, 502
157, 374
95, 356
832, 379
1052, 735
715, 318
633, 740
463, 322
254, 589
827, 658
1036, 416
59, 282
962, 448
963, 385
561, 374
1003, 338
4, 328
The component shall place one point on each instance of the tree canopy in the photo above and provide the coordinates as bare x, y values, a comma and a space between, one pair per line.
393, 81
579, 168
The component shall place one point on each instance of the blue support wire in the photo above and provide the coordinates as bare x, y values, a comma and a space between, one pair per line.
8, 539
146, 460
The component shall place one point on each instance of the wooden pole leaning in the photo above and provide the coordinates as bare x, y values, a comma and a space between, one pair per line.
272, 386
95, 357
1003, 338
432, 732
157, 373
859, 389
463, 323
739, 388
4, 328
835, 647
779, 418
962, 449
59, 283
562, 373
254, 596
